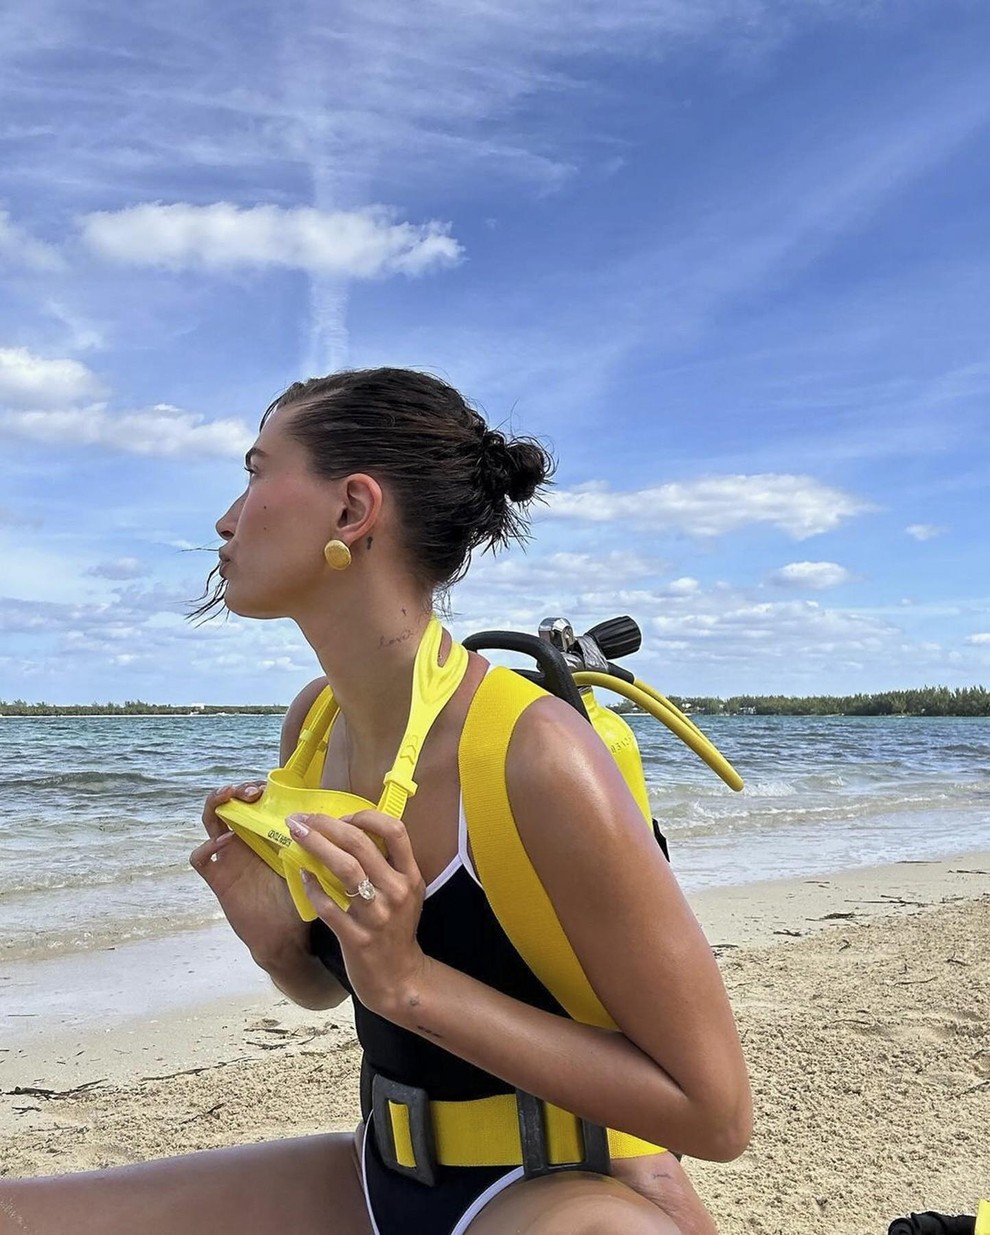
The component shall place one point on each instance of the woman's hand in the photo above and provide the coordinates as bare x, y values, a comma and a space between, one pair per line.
254, 898
377, 934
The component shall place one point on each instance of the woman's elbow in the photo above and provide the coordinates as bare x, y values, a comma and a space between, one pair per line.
731, 1138
728, 1131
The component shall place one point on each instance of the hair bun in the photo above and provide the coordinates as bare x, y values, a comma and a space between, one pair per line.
513, 469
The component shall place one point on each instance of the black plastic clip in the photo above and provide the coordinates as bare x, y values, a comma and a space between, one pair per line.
535, 1153
417, 1103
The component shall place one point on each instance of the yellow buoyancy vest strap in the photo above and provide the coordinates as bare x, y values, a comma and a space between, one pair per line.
516, 895
513, 888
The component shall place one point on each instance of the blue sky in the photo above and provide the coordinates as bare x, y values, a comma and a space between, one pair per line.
729, 256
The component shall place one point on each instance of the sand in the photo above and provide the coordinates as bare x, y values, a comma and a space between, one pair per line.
863, 1000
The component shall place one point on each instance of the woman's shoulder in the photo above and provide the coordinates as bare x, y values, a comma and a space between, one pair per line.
557, 765
296, 713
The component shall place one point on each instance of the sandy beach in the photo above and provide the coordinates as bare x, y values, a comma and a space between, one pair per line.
863, 999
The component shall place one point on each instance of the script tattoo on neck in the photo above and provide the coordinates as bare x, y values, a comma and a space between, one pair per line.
386, 642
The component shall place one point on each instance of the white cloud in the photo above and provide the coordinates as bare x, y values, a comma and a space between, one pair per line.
979, 639
27, 380
924, 531
357, 244
798, 505
570, 570
18, 248
118, 568
811, 574
735, 625
161, 431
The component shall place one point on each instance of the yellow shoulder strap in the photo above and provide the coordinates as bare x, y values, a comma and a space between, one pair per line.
511, 884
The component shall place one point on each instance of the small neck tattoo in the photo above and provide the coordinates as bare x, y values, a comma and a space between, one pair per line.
387, 642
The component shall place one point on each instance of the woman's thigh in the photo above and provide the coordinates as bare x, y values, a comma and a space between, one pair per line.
310, 1186
647, 1196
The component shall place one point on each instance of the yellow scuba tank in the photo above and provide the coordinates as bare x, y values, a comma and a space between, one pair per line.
617, 735
570, 666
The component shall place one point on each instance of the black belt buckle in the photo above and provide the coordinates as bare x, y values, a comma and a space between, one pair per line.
536, 1153
417, 1103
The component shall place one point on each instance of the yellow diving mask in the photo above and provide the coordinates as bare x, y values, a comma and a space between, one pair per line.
295, 788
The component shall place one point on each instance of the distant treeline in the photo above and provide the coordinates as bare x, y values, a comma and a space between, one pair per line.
136, 707
926, 701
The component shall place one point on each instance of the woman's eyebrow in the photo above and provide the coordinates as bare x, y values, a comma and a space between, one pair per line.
254, 453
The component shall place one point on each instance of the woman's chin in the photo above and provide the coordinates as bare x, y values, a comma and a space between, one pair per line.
249, 607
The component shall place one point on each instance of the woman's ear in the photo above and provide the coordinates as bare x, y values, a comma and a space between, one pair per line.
360, 506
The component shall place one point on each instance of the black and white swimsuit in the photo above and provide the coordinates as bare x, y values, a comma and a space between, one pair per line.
458, 928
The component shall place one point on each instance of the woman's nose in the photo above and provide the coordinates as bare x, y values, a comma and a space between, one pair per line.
227, 522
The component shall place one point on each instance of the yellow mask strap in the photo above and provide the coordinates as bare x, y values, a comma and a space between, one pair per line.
432, 687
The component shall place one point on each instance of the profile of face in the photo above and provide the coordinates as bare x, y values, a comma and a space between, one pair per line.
395, 451
272, 558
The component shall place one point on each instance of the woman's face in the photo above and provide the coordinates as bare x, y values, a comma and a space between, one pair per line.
274, 534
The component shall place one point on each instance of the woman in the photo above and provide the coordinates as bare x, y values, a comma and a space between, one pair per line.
367, 493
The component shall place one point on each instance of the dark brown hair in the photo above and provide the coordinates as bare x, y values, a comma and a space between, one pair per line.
458, 484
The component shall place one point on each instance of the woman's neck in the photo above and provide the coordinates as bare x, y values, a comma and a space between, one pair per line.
367, 649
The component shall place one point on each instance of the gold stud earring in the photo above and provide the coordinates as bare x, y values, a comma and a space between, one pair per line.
337, 554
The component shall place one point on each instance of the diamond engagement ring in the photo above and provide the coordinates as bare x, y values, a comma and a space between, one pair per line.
365, 889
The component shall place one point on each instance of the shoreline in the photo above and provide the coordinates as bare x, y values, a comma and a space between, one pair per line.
863, 1000
98, 989
55, 1008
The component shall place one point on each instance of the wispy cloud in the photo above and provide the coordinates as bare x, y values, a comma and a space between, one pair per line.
924, 531
817, 575
800, 506
27, 380
358, 244
118, 569
160, 432
551, 570
20, 249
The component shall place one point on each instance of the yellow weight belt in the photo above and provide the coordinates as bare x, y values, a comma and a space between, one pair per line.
489, 1132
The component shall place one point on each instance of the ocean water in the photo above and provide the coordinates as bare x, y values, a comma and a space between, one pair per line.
101, 813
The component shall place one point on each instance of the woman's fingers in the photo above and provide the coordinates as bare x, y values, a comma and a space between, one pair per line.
203, 855
343, 849
249, 791
398, 847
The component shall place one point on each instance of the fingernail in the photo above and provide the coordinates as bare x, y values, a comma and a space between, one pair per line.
297, 826
223, 838
346, 818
